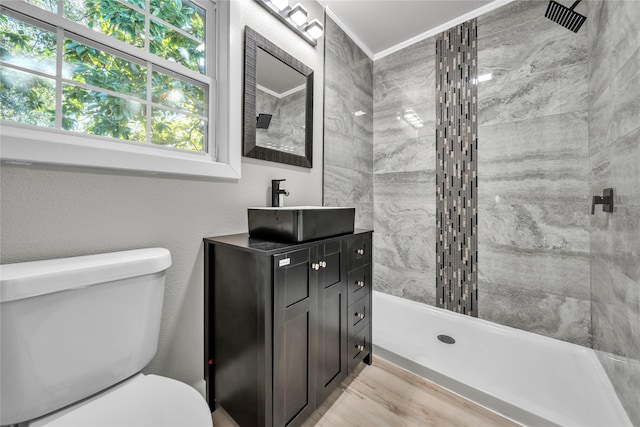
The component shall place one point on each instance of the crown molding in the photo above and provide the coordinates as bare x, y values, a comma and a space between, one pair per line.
435, 31
344, 27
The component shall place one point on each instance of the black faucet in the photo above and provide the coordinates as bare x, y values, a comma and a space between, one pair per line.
277, 193
606, 200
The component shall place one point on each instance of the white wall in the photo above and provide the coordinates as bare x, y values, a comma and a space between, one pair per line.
53, 211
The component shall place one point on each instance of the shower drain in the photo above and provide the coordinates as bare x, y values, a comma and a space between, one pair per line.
446, 339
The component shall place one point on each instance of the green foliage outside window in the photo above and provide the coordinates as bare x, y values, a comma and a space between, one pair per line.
106, 91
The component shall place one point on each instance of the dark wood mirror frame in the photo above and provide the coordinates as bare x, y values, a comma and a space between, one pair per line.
253, 42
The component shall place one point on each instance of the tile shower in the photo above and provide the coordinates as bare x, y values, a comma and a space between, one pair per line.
557, 123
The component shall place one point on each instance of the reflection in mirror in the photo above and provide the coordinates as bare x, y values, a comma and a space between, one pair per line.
280, 105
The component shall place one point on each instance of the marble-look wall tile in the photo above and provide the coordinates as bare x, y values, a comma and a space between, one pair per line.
338, 44
405, 252
510, 55
412, 284
413, 154
614, 141
542, 161
364, 216
404, 186
406, 63
511, 15
347, 151
405, 218
404, 173
623, 31
624, 374
618, 166
562, 273
347, 186
615, 238
348, 138
540, 227
552, 315
533, 169
598, 48
616, 308
556, 91
388, 125
616, 111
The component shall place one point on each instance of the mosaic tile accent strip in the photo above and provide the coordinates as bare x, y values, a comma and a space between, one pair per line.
456, 169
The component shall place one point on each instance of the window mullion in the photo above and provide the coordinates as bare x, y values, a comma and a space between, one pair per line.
59, 58
149, 100
147, 49
147, 24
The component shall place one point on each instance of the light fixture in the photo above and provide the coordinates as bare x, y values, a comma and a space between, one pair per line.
484, 77
315, 29
280, 4
298, 14
359, 113
295, 18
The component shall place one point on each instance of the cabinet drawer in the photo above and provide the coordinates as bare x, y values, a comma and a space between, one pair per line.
358, 314
359, 284
359, 347
358, 251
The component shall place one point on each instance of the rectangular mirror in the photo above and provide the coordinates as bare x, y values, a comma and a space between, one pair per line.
278, 104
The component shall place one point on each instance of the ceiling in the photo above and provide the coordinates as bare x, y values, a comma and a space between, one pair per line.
380, 25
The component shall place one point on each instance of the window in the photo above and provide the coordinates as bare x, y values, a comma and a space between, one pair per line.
85, 81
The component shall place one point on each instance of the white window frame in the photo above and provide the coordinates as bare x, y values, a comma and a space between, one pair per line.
25, 144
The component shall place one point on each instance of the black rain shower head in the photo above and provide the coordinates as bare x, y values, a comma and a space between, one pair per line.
565, 16
263, 120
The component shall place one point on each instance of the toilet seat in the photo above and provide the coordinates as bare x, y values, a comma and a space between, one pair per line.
142, 400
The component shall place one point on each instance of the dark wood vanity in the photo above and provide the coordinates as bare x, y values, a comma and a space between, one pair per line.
284, 323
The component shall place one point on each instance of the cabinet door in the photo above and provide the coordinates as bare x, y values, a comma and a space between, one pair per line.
295, 329
332, 339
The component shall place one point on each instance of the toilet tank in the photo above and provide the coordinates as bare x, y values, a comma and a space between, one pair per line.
72, 327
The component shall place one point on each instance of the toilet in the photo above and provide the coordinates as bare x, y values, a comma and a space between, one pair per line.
75, 334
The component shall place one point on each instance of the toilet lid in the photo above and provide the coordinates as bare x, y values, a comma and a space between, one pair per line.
144, 400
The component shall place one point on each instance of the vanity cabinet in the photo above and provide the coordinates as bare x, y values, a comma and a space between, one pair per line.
280, 323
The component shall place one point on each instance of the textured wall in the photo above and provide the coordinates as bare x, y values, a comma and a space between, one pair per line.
50, 212
404, 180
533, 168
614, 140
456, 169
348, 137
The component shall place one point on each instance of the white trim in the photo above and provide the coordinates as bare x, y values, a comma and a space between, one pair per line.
283, 94
26, 146
435, 31
330, 13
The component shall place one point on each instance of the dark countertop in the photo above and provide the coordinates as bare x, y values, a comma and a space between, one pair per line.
246, 242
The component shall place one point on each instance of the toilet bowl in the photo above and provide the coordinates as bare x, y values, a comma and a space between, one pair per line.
75, 334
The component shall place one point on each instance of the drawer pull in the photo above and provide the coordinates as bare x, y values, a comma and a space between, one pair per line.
315, 266
360, 347
323, 264
359, 315
360, 251
360, 283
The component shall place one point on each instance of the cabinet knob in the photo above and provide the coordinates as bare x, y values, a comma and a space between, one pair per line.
359, 315
323, 264
360, 251
315, 266
360, 347
360, 283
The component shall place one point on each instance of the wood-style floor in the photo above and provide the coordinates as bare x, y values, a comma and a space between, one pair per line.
384, 394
